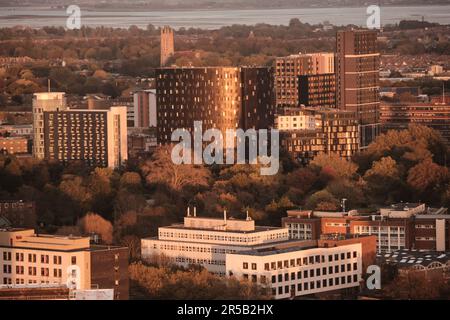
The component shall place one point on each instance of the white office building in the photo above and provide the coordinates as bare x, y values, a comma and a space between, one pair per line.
304, 268
207, 241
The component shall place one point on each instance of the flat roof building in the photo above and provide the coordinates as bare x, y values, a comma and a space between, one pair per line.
299, 268
206, 241
28, 258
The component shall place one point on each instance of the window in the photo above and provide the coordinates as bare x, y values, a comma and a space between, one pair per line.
286, 277
324, 271
280, 278
311, 273
7, 256
57, 260
324, 283
306, 286
355, 278
312, 285
355, 254
330, 282
286, 289
253, 266
342, 267
274, 279
330, 258
32, 258
336, 269
342, 256
299, 275
44, 258
280, 290
348, 255
254, 278
330, 270
355, 266
263, 279
305, 274
293, 276
245, 266
74, 260
299, 287
266, 267
318, 272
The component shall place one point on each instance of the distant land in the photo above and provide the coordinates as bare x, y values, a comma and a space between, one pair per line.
216, 4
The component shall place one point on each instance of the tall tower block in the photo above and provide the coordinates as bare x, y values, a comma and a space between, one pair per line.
167, 44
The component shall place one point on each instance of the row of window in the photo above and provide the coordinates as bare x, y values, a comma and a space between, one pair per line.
305, 274
32, 271
32, 258
316, 259
315, 285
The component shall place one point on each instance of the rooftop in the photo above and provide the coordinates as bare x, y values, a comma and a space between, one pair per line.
409, 258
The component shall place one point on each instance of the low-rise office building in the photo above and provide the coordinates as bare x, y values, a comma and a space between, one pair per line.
299, 268
30, 258
400, 226
207, 241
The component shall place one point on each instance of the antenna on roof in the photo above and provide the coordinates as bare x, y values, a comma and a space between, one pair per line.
188, 212
225, 216
195, 211
48, 85
248, 217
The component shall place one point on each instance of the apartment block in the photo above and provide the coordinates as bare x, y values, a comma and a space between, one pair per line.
221, 97
317, 90
287, 72
27, 258
307, 132
357, 79
43, 102
95, 136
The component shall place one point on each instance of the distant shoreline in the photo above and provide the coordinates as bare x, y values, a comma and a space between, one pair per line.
237, 8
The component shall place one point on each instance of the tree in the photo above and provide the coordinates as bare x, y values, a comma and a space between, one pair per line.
323, 200
339, 166
161, 169
195, 283
384, 181
93, 223
429, 180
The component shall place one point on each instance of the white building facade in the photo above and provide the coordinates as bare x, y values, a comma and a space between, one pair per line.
299, 271
207, 241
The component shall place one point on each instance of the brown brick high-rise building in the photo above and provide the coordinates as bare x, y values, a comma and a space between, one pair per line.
220, 97
288, 69
357, 75
167, 44
317, 90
